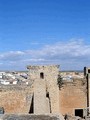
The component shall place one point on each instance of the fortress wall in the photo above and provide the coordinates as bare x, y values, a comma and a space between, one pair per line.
73, 96
54, 99
15, 101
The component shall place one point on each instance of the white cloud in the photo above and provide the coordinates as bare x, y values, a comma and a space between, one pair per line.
73, 54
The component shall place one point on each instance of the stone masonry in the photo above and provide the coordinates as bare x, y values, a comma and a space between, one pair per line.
16, 99
46, 91
42, 94
73, 96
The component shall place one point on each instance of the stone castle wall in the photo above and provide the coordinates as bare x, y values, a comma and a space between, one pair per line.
15, 99
73, 95
47, 96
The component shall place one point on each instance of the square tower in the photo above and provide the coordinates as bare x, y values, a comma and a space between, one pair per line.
46, 91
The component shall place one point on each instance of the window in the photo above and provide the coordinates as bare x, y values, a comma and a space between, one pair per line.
79, 112
42, 75
88, 70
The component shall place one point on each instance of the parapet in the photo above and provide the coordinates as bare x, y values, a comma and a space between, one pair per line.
42, 66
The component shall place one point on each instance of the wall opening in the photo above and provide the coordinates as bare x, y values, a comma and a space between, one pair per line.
2, 110
47, 95
32, 106
79, 112
42, 75
88, 70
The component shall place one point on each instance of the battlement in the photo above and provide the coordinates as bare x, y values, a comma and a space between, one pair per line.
42, 66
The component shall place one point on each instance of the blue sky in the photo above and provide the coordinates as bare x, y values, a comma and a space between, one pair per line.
44, 32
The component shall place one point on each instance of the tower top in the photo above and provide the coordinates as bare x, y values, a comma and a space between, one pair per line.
42, 66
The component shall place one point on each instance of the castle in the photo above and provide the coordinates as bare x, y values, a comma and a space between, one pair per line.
43, 96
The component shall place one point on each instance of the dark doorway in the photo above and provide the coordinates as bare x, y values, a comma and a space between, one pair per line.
42, 75
79, 112
31, 107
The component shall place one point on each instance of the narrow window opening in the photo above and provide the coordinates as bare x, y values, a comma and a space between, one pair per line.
32, 106
47, 95
42, 75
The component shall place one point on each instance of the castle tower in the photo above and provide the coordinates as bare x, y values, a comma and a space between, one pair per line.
46, 91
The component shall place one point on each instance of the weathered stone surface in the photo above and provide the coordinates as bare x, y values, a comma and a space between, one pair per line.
16, 100
31, 117
47, 75
40, 103
73, 95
